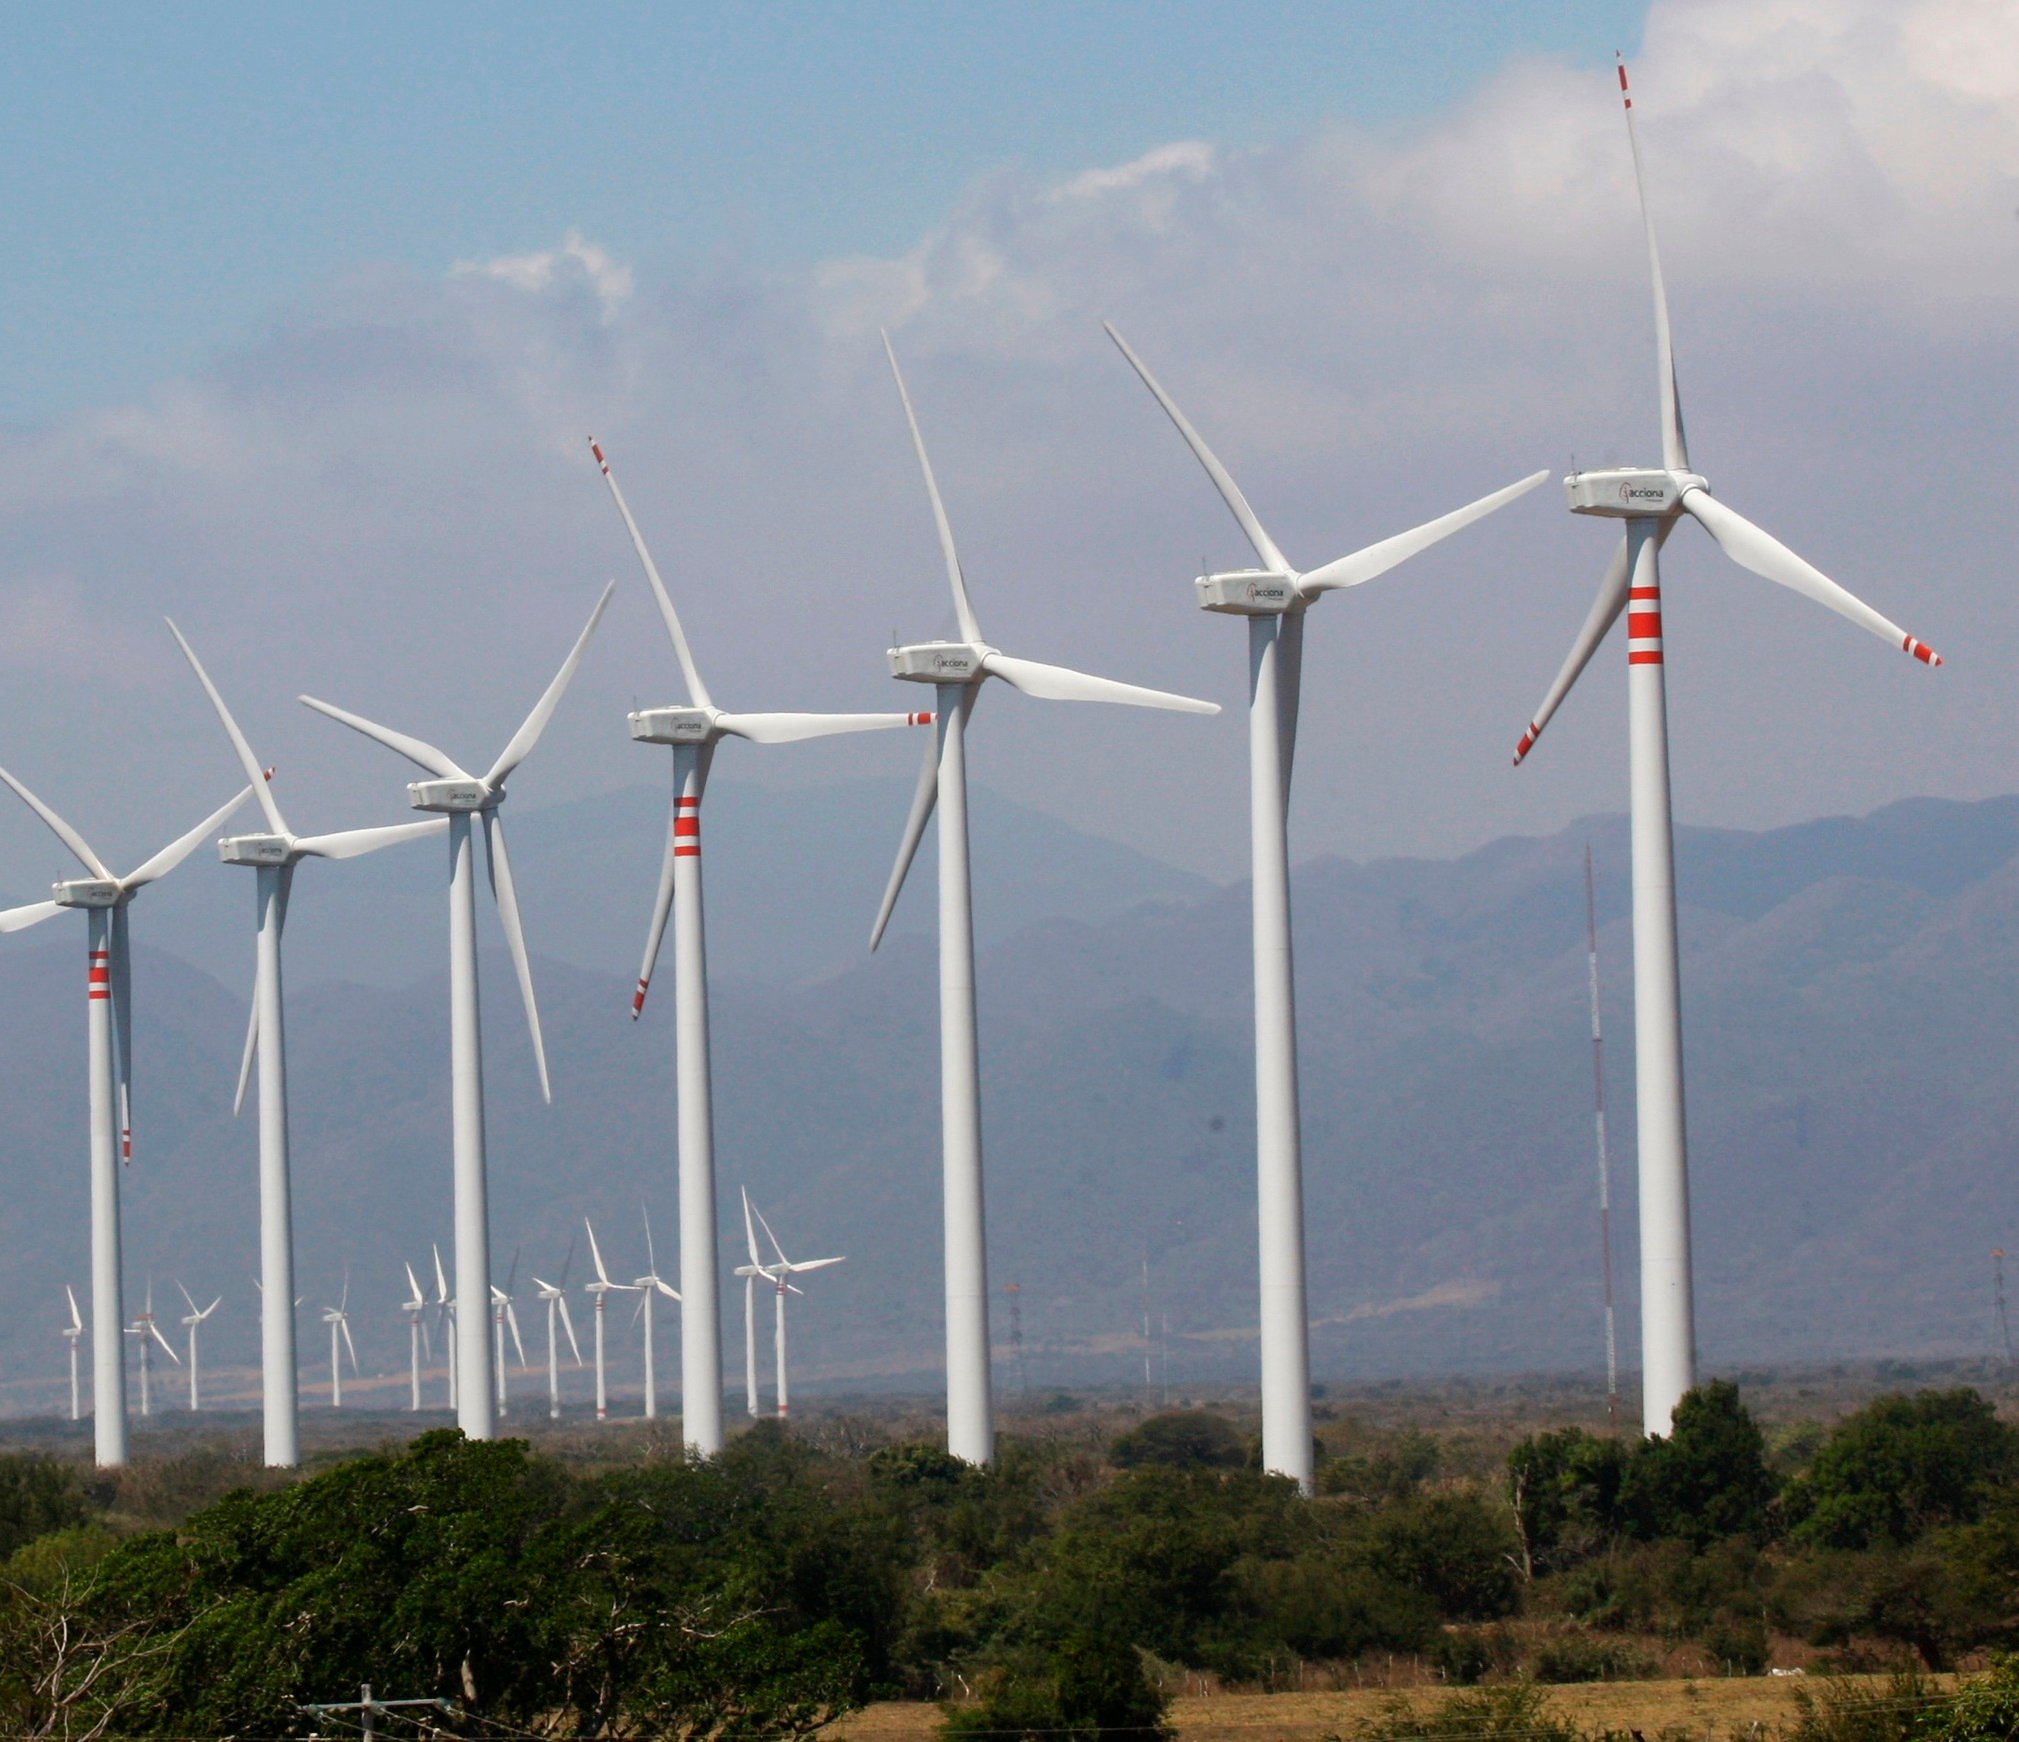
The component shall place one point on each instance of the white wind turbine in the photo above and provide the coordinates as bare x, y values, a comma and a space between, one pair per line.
1274, 598
648, 1285
1652, 501
109, 1042
445, 1314
599, 1291
71, 1333
504, 1316
338, 1320
192, 1322
957, 670
460, 795
147, 1333
779, 1273
415, 1306
694, 731
555, 1294
274, 856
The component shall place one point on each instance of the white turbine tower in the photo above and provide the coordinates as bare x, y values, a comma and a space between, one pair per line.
192, 1322
1274, 598
504, 1316
460, 795
694, 731
147, 1333
779, 1272
415, 1306
648, 1285
71, 1333
957, 670
109, 1042
274, 856
1652, 501
600, 1291
338, 1320
555, 1294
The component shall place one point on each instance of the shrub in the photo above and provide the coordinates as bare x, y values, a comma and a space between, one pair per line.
1091, 1688
1516, 1711
37, 1495
1578, 1657
1903, 1466
1456, 1548
1189, 1439
1708, 1479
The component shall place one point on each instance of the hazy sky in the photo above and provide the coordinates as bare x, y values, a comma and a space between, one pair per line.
312, 312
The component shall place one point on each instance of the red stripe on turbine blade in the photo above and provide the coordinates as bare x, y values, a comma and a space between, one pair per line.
1643, 626
638, 999
686, 804
1638, 593
683, 826
597, 450
1921, 651
1637, 658
686, 852
918, 719
95, 992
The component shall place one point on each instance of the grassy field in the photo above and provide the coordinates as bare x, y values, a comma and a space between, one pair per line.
1734, 1707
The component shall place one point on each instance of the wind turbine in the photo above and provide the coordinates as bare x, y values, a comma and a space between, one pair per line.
648, 1285
415, 1306
1652, 501
957, 670
694, 731
147, 1333
555, 1294
1274, 598
71, 1332
445, 1313
338, 1320
274, 856
193, 1319
505, 1316
779, 1273
461, 795
109, 1042
599, 1291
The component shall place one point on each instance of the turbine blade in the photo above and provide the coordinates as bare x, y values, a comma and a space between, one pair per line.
186, 1295
214, 1305
1674, 448
791, 728
416, 750
262, 787
441, 1280
1058, 683
568, 1325
1751, 548
21, 918
773, 1238
350, 843
77, 844
508, 914
669, 1292
923, 798
344, 1325
154, 1331
122, 1026
697, 691
662, 908
1604, 612
180, 848
413, 1285
570, 1262
750, 1233
806, 1264
1289, 692
595, 1253
535, 723
1378, 559
970, 629
76, 1318
651, 1257
1230, 492
245, 1058
512, 1319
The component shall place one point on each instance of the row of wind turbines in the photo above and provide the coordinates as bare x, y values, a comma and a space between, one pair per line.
1274, 597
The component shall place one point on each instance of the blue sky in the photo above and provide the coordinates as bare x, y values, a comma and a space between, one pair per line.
174, 176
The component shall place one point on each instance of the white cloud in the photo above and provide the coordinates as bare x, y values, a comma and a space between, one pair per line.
575, 259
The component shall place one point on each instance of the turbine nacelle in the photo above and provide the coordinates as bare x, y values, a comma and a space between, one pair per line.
87, 892
1249, 592
937, 662
452, 795
256, 850
1630, 492
673, 725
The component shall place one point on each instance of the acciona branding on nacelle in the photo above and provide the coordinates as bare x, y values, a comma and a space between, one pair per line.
1630, 492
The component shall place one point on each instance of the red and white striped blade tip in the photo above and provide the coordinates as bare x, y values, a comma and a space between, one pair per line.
1920, 650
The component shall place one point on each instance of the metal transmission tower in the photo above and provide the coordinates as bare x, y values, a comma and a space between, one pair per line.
1604, 1163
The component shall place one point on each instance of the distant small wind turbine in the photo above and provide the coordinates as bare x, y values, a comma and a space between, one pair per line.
147, 1333
192, 1321
599, 1291
415, 1306
555, 1294
338, 1320
445, 1314
648, 1285
779, 1272
505, 1317
71, 1333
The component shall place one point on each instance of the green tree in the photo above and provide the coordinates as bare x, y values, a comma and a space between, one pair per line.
37, 1495
1563, 1488
1707, 1479
1188, 1439
1091, 1687
1902, 1466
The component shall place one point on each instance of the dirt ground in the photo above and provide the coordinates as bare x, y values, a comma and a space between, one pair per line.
1725, 1707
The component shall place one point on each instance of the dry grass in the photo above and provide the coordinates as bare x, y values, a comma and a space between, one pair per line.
1728, 1707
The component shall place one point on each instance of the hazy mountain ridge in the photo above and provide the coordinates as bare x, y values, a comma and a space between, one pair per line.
1852, 1003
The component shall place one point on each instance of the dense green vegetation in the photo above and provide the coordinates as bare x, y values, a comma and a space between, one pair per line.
1065, 1592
